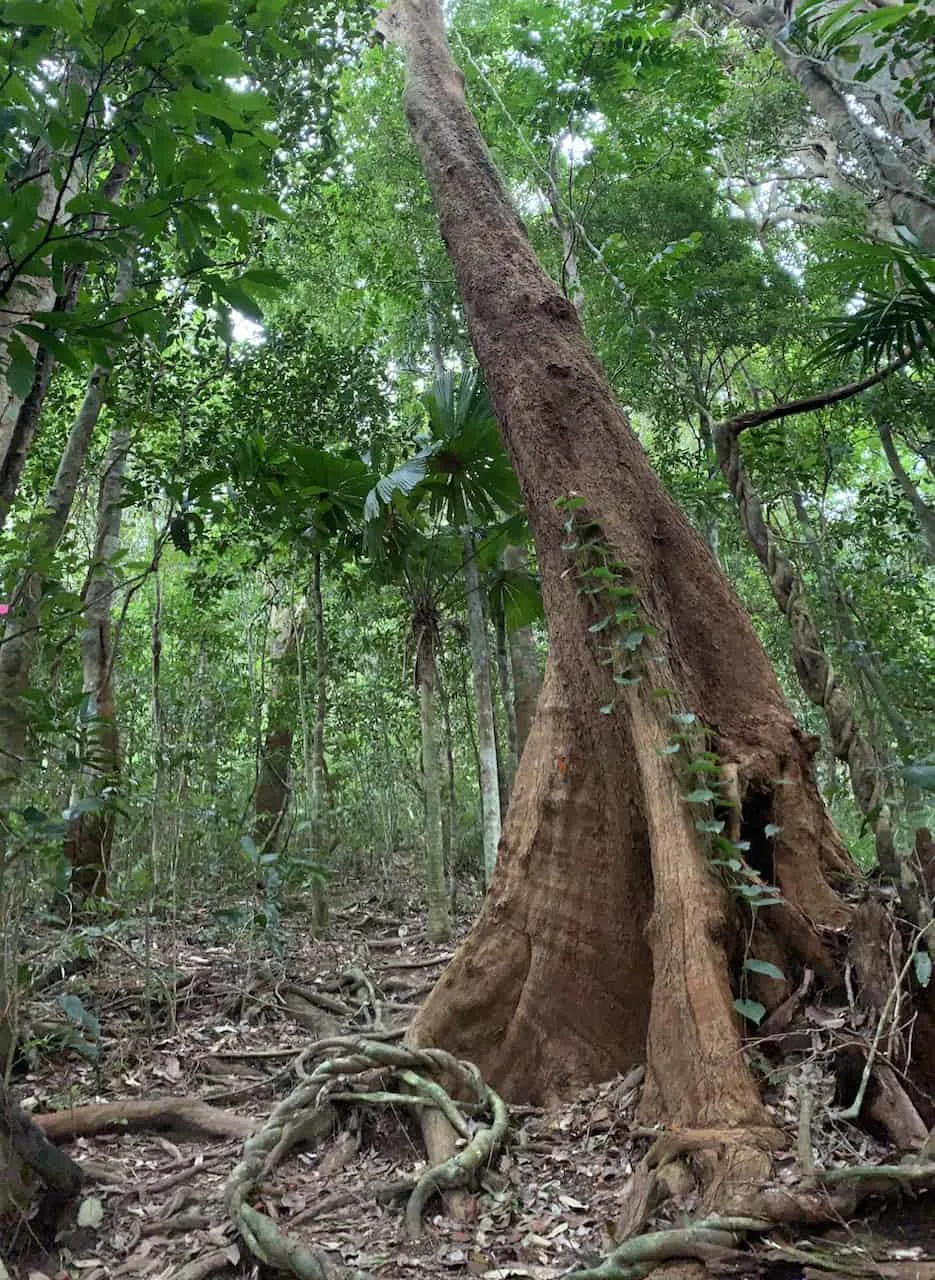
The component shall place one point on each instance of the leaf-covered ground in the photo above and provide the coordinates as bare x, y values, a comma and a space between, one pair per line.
213, 1007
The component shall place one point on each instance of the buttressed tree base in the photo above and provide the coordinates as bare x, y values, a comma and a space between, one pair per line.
607, 938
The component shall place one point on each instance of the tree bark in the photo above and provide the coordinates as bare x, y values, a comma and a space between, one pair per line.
486, 736
606, 938
23, 293
90, 835
524, 662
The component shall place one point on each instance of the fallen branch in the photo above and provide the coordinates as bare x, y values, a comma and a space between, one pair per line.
186, 1115
418, 964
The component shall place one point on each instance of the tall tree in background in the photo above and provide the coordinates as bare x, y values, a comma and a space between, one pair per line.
274, 778
469, 480
90, 835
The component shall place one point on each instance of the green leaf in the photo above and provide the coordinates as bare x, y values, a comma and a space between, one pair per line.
752, 1010
920, 775
82, 1017
30, 13
712, 826
701, 795
607, 708
922, 963
55, 345
599, 626
21, 370
765, 968
91, 1213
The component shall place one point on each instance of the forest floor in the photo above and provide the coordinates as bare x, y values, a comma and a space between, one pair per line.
209, 1007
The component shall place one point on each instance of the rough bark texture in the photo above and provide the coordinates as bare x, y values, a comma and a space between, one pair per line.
524, 662
605, 937
508, 705
486, 736
90, 835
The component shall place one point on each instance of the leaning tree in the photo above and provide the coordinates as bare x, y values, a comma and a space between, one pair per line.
665, 782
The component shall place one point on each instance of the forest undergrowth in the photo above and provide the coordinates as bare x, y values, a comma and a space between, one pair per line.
181, 1057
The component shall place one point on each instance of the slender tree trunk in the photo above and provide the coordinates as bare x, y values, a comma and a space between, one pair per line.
316, 789
878, 93
571, 277
90, 835
923, 512
524, 662
508, 703
439, 924
22, 630
819, 681
486, 738
606, 938
847, 633
24, 291
274, 787
15, 447
450, 826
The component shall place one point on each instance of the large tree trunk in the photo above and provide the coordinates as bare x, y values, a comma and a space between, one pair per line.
606, 938
486, 735
90, 834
